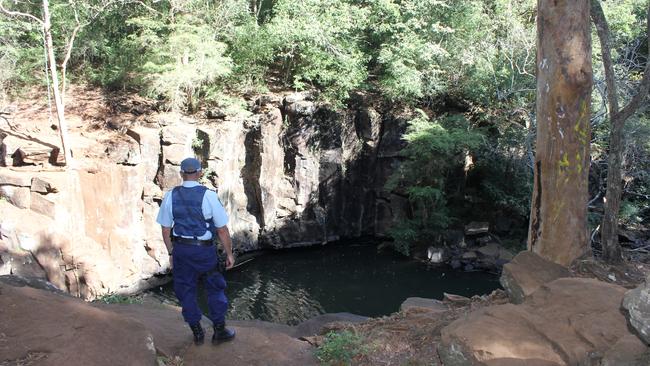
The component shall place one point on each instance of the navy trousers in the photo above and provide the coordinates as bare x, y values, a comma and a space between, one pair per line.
196, 265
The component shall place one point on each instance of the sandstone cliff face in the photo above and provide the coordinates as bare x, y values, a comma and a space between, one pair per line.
290, 173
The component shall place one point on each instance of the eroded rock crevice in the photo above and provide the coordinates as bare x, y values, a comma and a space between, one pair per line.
250, 174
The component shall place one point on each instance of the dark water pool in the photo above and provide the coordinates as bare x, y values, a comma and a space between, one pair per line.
293, 285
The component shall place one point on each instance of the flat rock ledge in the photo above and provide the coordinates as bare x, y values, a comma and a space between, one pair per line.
40, 325
570, 321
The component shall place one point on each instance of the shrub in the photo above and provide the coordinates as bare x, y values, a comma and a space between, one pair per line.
341, 348
435, 148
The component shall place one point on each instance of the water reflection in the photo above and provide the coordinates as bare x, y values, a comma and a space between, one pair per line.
291, 286
272, 299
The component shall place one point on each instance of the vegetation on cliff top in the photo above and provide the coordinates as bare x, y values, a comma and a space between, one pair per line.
469, 64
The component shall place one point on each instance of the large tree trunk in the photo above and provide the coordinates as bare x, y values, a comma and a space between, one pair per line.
558, 220
58, 101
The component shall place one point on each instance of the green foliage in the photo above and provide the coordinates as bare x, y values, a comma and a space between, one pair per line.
630, 212
435, 148
182, 57
410, 49
405, 44
501, 170
341, 348
21, 54
317, 43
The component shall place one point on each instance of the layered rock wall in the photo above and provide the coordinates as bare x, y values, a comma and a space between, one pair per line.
290, 172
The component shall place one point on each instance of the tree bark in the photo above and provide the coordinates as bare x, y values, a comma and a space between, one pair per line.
609, 233
558, 220
58, 101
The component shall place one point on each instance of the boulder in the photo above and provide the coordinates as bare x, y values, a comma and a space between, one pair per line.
178, 134
422, 304
175, 153
23, 264
302, 108
13, 178
526, 273
476, 228
42, 186
298, 97
490, 250
18, 152
215, 113
53, 329
269, 99
33, 282
455, 299
469, 255
570, 321
367, 124
17, 196
637, 304
169, 177
43, 205
436, 255
628, 351
149, 140
124, 152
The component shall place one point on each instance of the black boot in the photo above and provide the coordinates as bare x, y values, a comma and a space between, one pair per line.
199, 335
222, 334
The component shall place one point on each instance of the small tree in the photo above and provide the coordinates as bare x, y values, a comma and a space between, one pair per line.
180, 57
609, 234
58, 90
46, 24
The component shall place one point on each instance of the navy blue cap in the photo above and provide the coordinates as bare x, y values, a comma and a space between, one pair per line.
190, 165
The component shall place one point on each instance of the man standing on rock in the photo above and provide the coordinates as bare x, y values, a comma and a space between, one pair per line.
190, 216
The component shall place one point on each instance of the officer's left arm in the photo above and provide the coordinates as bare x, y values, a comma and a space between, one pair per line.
226, 241
220, 220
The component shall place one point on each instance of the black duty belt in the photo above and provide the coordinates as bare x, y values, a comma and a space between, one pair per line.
188, 241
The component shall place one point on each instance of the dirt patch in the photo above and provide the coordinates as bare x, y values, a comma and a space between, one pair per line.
96, 120
410, 337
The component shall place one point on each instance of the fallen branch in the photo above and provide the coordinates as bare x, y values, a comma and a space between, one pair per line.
242, 263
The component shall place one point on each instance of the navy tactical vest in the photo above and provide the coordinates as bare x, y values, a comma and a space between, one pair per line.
187, 212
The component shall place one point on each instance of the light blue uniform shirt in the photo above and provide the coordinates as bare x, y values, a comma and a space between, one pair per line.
211, 207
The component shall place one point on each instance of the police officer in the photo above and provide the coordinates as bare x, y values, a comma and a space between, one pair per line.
190, 215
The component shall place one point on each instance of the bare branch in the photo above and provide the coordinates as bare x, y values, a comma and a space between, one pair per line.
644, 87
144, 6
17, 13
602, 28
68, 52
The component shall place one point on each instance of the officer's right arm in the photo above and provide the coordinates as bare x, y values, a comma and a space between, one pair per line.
167, 238
166, 220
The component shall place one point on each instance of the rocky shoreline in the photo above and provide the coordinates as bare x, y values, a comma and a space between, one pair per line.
544, 317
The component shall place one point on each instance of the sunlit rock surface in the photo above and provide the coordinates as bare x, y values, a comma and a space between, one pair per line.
45, 328
526, 273
570, 321
289, 171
